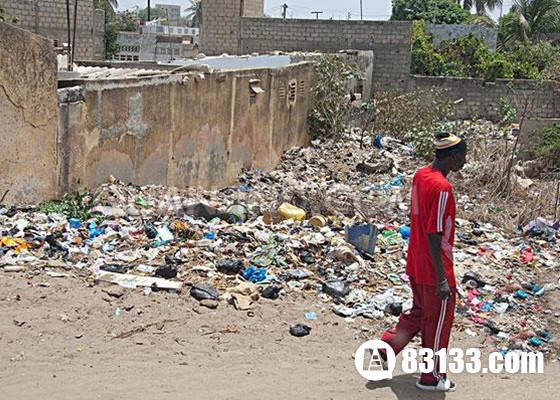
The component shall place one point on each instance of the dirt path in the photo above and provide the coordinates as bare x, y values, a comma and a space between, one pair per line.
56, 343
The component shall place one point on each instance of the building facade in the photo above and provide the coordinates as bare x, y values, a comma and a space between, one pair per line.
48, 18
171, 30
171, 12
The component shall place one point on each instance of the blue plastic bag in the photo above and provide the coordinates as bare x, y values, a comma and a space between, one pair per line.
254, 275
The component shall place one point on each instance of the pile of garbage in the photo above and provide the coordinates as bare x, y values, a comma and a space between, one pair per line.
330, 221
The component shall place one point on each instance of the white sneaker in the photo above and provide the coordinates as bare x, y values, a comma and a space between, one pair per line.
444, 385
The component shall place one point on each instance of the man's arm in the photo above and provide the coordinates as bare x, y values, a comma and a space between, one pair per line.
434, 243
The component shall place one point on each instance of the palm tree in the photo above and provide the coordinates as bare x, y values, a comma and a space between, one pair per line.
529, 18
114, 4
195, 13
482, 5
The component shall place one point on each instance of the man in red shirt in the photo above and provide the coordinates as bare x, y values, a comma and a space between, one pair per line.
430, 259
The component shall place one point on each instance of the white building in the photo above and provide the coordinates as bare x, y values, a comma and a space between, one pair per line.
170, 30
136, 46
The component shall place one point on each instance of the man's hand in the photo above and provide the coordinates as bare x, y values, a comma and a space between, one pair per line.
443, 290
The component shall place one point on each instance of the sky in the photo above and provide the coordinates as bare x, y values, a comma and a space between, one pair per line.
336, 9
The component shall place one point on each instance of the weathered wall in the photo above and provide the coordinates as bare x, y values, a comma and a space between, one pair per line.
48, 18
189, 129
28, 116
389, 40
442, 32
482, 99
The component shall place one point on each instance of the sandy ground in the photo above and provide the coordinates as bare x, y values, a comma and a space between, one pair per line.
58, 342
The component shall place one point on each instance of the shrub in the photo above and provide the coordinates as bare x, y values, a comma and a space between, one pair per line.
410, 116
546, 145
470, 56
331, 108
425, 59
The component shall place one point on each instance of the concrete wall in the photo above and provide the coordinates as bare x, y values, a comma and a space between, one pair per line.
28, 116
442, 32
187, 129
389, 40
482, 99
48, 18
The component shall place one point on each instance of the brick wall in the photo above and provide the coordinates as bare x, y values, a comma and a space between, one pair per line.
390, 41
48, 18
482, 99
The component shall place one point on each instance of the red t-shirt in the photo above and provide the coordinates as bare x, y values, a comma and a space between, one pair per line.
432, 211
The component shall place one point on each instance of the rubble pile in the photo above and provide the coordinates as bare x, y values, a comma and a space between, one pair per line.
330, 221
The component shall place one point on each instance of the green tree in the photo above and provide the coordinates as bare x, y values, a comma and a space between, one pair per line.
154, 13
125, 21
104, 4
482, 5
194, 15
434, 11
527, 19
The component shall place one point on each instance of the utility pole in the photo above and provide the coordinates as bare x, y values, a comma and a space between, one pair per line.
284, 9
361, 11
148, 10
74, 32
316, 13
69, 35
349, 17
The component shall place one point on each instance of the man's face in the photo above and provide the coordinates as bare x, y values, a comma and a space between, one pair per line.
458, 161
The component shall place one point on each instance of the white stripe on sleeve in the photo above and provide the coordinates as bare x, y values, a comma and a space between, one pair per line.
441, 210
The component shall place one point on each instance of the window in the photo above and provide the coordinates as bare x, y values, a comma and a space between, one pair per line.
292, 91
282, 92
135, 58
301, 88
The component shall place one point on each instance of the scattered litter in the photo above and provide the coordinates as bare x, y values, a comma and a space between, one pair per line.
300, 330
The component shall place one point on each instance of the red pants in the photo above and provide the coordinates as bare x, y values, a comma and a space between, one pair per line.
432, 317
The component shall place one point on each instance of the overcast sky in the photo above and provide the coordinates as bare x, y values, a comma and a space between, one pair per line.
336, 9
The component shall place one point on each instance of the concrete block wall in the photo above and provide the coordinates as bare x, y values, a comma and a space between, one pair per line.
389, 40
482, 99
221, 26
48, 18
253, 8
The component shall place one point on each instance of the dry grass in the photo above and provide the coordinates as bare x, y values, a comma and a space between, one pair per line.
483, 179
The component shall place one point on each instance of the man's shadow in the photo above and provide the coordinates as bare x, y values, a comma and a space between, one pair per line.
404, 388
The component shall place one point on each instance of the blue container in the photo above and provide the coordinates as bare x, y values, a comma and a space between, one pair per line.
405, 232
210, 235
74, 223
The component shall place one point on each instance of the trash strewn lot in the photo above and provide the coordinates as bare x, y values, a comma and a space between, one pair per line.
329, 225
